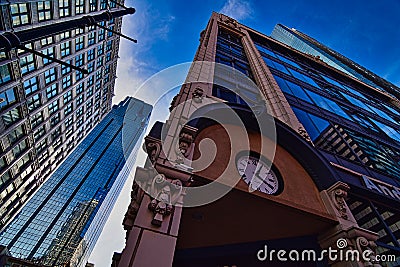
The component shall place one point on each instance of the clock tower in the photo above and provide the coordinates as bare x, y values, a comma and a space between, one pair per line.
233, 169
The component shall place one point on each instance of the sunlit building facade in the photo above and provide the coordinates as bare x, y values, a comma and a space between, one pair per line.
46, 109
335, 168
61, 223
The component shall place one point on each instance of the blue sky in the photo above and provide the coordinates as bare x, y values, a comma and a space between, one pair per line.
168, 33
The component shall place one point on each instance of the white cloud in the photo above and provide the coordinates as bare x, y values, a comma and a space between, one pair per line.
237, 9
136, 63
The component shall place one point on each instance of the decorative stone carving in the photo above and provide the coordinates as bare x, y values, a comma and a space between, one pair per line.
338, 196
230, 21
136, 198
171, 107
197, 95
304, 134
153, 150
166, 194
363, 245
185, 141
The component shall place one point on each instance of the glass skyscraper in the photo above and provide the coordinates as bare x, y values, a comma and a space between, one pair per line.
308, 45
46, 109
61, 223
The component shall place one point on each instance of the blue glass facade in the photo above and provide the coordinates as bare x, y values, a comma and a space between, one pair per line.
61, 223
353, 126
296, 40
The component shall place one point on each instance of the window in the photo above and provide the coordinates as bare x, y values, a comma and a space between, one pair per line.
100, 62
98, 75
39, 133
109, 45
78, 75
33, 102
79, 111
92, 5
89, 104
53, 107
11, 116
7, 98
91, 38
44, 10
79, 100
88, 113
101, 35
107, 69
3, 164
20, 148
98, 85
110, 33
97, 96
225, 94
79, 31
65, 69
90, 81
16, 134
27, 64
50, 75
57, 142
23, 162
41, 146
79, 88
56, 133
90, 67
69, 121
67, 97
65, 49
43, 156
79, 60
19, 14
103, 4
68, 109
36, 119
66, 82
31, 85
68, 133
79, 43
108, 58
90, 54
55, 119
79, 122
64, 8
5, 74
80, 6
50, 52
112, 4
89, 92
314, 125
51, 91
107, 79
46, 41
100, 50
64, 35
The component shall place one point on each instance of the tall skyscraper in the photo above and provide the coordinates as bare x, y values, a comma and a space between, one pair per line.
321, 171
46, 108
61, 223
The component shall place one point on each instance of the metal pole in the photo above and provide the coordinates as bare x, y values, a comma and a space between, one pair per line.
10, 40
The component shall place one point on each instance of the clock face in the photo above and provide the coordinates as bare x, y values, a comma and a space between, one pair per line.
258, 175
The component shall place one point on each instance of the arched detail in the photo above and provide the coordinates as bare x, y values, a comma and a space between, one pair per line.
322, 173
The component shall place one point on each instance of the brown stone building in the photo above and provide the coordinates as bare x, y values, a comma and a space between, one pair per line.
283, 149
